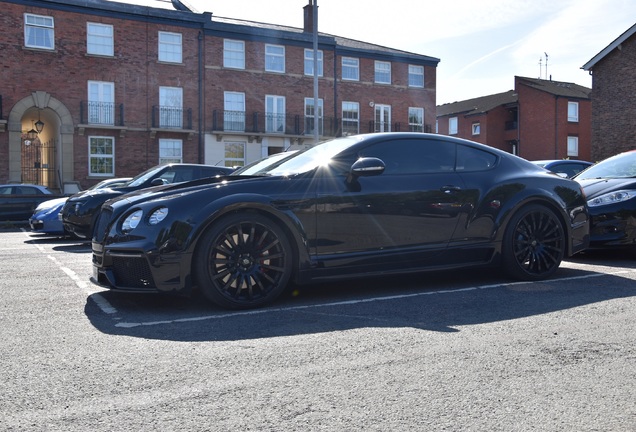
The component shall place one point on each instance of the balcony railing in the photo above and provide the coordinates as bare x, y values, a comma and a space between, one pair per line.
101, 113
170, 117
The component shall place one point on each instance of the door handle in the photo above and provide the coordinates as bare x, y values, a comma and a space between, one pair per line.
450, 189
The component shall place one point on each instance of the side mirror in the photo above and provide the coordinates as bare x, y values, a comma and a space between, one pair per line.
159, 182
367, 166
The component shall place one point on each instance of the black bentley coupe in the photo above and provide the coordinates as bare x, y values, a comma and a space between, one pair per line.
357, 206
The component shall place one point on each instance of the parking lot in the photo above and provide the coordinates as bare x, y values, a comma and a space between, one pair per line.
453, 351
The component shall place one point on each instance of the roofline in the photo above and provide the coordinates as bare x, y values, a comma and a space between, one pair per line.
598, 57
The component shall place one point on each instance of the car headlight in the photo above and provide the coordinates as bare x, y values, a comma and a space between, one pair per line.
611, 198
131, 221
158, 215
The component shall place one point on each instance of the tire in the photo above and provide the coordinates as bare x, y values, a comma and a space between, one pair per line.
243, 261
534, 243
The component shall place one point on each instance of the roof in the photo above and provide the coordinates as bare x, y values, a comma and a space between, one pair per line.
557, 88
598, 57
478, 105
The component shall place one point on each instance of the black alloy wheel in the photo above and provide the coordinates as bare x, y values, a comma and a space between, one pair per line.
243, 261
534, 243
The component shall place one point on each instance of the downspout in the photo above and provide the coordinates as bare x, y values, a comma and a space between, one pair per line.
200, 88
335, 92
556, 127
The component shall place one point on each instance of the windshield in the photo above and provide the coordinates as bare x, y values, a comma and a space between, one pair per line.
620, 166
261, 165
142, 178
309, 159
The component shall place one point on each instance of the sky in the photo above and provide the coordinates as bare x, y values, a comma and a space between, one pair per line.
482, 45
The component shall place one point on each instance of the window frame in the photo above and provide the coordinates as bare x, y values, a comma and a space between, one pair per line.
380, 73
227, 159
309, 62
380, 124
573, 145
48, 31
452, 125
237, 121
169, 51
347, 122
311, 116
573, 112
476, 128
104, 49
170, 114
101, 103
109, 157
275, 120
413, 75
239, 54
166, 145
271, 59
418, 113
354, 66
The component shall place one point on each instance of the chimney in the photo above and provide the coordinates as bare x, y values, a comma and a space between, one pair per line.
309, 17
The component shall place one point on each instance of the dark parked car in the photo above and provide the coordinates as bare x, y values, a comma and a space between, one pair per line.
18, 201
80, 210
564, 167
366, 205
610, 187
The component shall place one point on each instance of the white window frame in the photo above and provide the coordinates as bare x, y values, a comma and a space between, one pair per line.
232, 153
573, 146
233, 54
382, 118
100, 39
101, 103
274, 114
350, 118
416, 76
171, 107
274, 58
416, 119
106, 159
309, 62
39, 31
350, 69
382, 72
310, 116
573, 112
452, 126
170, 151
476, 128
234, 111
170, 47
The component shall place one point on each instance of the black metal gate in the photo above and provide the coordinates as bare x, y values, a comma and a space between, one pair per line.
38, 163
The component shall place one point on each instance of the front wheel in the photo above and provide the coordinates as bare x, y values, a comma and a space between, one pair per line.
243, 261
534, 243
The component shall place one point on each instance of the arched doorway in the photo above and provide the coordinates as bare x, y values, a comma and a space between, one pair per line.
44, 154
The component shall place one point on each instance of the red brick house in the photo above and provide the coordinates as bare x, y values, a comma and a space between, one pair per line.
119, 88
614, 96
539, 119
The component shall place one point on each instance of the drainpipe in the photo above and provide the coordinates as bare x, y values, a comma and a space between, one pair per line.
200, 88
556, 127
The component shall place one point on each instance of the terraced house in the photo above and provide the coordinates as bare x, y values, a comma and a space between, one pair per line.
92, 89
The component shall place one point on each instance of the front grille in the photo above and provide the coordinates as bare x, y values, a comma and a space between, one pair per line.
101, 225
132, 272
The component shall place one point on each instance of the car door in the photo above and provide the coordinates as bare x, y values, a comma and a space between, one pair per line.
403, 216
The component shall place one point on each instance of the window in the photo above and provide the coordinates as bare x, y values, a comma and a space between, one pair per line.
101, 103
101, 156
416, 119
350, 69
170, 47
416, 76
471, 159
274, 114
476, 128
309, 62
274, 58
170, 151
350, 118
382, 72
573, 111
99, 39
382, 118
234, 115
310, 120
413, 156
234, 154
39, 32
573, 146
170, 107
452, 126
234, 54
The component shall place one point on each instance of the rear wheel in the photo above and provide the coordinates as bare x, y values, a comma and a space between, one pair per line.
243, 261
534, 243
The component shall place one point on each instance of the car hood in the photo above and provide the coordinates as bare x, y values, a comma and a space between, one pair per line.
51, 204
596, 187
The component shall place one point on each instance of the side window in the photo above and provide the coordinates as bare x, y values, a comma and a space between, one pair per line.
177, 174
6, 190
472, 159
413, 156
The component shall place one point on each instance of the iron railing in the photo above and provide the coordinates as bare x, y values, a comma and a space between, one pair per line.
101, 113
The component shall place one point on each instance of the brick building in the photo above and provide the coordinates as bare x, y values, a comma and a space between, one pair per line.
539, 119
614, 95
119, 88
